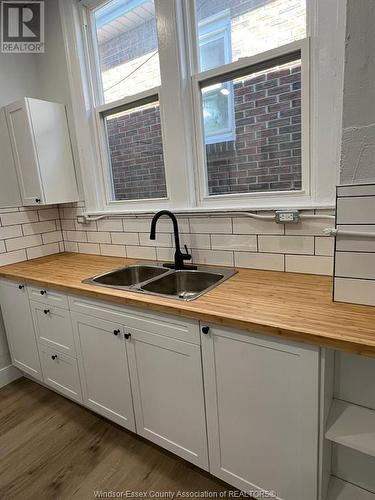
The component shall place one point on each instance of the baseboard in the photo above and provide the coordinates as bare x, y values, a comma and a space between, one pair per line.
8, 374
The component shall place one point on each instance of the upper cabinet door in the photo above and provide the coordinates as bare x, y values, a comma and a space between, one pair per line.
167, 383
24, 152
19, 328
262, 412
42, 151
9, 190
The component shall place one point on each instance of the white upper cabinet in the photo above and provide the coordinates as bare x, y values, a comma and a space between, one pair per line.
9, 190
42, 152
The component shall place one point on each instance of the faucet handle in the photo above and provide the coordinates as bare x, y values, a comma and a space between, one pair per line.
186, 256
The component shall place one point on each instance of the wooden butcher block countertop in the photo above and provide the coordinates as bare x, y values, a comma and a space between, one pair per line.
294, 306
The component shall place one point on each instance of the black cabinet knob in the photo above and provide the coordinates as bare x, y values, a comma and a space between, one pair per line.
54, 356
205, 329
127, 335
21, 287
46, 311
37, 200
116, 332
43, 292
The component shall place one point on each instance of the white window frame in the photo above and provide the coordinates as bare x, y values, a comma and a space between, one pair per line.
296, 50
324, 47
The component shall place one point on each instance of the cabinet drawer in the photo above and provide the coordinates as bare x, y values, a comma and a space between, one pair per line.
53, 327
60, 372
48, 296
164, 324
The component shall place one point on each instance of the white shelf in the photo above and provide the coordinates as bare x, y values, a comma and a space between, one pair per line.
341, 490
352, 426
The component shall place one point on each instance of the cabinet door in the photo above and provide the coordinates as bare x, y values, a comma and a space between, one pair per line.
262, 413
9, 190
24, 153
167, 383
103, 366
19, 328
60, 372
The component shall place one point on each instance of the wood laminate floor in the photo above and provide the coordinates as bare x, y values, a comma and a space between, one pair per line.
52, 448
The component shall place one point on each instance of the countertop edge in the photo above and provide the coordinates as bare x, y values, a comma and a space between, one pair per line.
355, 347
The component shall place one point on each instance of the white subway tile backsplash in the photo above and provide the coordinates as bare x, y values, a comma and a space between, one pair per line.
70, 246
99, 237
12, 257
165, 254
211, 225
162, 240
355, 291
286, 244
10, 232
68, 225
39, 227
79, 236
355, 265
324, 246
113, 250
213, 257
309, 227
244, 242
247, 225
90, 226
53, 237
309, 264
2, 246
9, 219
43, 250
93, 248
48, 214
356, 210
267, 261
125, 238
195, 241
356, 243
138, 252
23, 242
110, 225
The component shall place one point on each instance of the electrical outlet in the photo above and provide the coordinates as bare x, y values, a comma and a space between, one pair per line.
287, 216
81, 219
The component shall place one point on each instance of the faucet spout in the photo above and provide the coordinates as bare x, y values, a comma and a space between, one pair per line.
179, 257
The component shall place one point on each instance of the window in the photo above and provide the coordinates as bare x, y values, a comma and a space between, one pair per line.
244, 139
128, 100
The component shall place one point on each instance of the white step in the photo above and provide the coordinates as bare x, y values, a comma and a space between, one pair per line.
341, 490
352, 426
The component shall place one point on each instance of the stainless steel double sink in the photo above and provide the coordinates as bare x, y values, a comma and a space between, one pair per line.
154, 279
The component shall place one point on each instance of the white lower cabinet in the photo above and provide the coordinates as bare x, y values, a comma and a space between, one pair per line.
262, 412
167, 383
103, 366
19, 327
60, 372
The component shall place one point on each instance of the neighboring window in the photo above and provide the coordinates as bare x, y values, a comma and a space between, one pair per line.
266, 154
218, 105
128, 48
255, 25
128, 64
251, 117
136, 153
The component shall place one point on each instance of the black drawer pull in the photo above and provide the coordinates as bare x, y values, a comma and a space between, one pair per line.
46, 311
116, 332
21, 287
54, 356
43, 292
37, 200
205, 329
127, 335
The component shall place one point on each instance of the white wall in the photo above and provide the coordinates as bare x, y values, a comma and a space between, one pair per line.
358, 135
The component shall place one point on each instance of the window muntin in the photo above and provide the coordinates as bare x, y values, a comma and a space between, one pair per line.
135, 150
127, 48
266, 154
254, 26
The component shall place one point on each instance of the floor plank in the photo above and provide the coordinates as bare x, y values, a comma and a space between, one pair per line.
52, 448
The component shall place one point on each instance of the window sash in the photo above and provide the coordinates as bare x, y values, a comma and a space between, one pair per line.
246, 66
